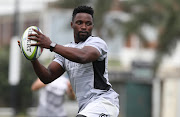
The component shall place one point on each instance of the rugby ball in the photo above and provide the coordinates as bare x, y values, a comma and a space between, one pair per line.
30, 52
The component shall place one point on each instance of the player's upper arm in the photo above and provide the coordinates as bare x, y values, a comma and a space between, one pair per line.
97, 48
55, 70
90, 54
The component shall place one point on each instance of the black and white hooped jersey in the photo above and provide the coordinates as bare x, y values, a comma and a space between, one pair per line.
90, 80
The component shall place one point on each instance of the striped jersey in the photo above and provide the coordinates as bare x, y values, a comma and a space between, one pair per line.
89, 81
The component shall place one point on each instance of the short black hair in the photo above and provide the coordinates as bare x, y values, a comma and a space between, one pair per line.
83, 9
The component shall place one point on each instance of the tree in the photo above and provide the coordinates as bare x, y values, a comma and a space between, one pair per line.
70, 4
161, 14
101, 7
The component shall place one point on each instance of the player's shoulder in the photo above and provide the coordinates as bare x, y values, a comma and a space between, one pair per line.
68, 45
96, 39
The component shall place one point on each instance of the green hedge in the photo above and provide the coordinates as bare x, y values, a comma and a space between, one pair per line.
24, 94
4, 87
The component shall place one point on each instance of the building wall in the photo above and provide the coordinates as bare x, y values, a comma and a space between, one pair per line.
170, 97
6, 29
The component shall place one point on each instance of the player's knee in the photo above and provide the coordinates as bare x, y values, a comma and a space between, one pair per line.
80, 116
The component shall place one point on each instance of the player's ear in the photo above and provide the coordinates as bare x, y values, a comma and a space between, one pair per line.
71, 25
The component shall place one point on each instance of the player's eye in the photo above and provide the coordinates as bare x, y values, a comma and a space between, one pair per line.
88, 23
78, 22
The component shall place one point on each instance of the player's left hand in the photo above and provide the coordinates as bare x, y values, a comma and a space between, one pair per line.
42, 40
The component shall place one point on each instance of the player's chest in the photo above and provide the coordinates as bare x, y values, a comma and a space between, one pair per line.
69, 65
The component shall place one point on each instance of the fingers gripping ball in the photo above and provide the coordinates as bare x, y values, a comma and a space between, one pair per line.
30, 52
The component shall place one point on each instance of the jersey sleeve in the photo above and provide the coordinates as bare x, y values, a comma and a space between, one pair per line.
59, 59
99, 44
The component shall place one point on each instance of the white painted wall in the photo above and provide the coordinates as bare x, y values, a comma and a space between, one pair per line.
170, 97
7, 6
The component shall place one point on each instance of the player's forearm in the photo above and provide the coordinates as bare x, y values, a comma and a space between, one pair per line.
73, 54
70, 91
42, 72
76, 55
72, 95
37, 85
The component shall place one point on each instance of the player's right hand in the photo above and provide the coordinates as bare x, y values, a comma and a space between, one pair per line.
19, 44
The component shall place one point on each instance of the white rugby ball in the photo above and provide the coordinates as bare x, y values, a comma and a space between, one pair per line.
30, 52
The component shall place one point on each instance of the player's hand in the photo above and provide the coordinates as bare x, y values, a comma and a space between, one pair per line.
19, 44
42, 40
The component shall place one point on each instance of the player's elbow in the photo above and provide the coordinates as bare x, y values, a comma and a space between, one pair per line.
46, 81
88, 57
82, 59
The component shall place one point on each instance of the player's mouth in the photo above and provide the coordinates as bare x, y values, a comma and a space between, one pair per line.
83, 33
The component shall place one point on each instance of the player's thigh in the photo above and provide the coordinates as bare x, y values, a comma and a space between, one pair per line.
100, 108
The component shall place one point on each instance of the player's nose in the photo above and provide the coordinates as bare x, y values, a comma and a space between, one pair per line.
83, 26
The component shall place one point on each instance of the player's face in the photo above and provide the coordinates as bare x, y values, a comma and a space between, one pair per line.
82, 25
